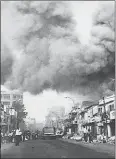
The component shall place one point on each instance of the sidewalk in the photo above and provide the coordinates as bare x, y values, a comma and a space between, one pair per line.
99, 147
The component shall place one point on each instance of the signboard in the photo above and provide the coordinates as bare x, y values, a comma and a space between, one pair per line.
112, 114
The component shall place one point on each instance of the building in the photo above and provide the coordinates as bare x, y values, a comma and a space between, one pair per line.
55, 117
107, 112
30, 124
7, 99
99, 117
92, 117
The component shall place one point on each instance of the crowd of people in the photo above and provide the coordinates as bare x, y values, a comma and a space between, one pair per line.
17, 136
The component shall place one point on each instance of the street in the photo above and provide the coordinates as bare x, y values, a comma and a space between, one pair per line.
51, 149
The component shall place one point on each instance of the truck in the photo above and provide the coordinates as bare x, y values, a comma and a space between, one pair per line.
48, 133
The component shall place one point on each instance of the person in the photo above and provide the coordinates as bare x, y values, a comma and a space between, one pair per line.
24, 133
12, 136
17, 137
90, 136
9, 137
5, 138
20, 136
1, 137
85, 134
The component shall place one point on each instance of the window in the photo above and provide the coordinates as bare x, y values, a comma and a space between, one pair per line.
6, 103
17, 96
6, 96
111, 107
14, 96
100, 110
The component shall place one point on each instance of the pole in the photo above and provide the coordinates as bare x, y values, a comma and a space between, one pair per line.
8, 120
105, 120
77, 120
16, 119
72, 100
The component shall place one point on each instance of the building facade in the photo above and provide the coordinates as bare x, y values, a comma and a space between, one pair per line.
98, 117
7, 99
30, 123
107, 111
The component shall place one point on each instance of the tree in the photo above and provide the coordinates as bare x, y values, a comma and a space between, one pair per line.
20, 110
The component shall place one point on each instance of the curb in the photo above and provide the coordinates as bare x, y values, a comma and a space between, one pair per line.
109, 149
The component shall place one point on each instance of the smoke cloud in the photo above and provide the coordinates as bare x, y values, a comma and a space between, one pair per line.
6, 62
53, 56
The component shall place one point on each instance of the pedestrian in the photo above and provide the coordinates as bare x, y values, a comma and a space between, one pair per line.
85, 134
1, 137
5, 138
24, 134
11, 136
90, 136
20, 136
17, 137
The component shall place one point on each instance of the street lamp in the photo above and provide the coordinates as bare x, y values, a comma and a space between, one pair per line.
72, 100
78, 119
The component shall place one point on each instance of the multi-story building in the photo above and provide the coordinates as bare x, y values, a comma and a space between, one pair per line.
7, 99
92, 117
99, 117
107, 112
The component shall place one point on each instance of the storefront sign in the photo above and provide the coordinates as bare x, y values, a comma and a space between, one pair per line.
112, 115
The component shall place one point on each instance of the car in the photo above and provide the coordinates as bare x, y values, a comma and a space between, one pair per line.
48, 133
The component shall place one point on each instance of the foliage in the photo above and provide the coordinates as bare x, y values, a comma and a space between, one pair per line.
20, 110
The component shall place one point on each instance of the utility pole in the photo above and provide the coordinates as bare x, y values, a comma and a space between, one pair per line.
8, 119
105, 119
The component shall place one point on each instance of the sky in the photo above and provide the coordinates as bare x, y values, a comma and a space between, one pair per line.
38, 105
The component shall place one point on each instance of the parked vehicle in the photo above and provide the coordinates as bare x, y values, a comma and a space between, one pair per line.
76, 137
48, 133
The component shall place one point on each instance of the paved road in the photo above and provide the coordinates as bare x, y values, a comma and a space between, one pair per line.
51, 149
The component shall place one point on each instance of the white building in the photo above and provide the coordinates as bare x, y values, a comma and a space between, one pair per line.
30, 123
108, 105
8, 97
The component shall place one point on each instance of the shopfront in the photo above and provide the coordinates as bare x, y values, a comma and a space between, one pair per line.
112, 123
100, 128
